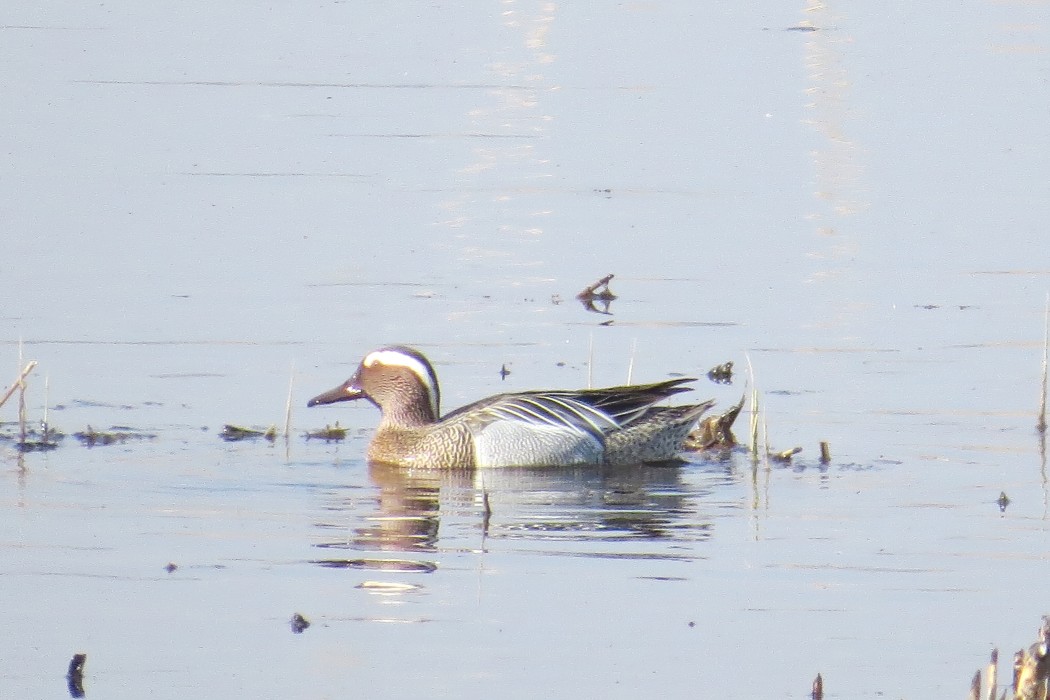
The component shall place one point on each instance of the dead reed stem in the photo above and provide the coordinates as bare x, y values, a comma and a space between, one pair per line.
754, 418
630, 366
992, 674
22, 412
18, 382
288, 405
975, 687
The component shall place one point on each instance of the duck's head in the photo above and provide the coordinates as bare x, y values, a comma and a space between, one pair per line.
397, 379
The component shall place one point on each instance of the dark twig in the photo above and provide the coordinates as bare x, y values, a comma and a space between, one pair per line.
75, 676
590, 292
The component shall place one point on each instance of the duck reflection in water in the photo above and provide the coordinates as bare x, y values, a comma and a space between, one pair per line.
427, 510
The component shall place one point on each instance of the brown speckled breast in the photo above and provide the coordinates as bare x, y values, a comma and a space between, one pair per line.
447, 447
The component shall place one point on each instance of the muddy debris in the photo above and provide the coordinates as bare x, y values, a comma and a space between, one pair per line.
33, 440
784, 457
75, 676
236, 433
715, 432
722, 374
298, 623
329, 433
597, 297
598, 290
1031, 671
825, 453
116, 435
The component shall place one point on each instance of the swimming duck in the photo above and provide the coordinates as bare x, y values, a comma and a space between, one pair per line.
616, 425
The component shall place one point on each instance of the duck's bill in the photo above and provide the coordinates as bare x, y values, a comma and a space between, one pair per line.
343, 392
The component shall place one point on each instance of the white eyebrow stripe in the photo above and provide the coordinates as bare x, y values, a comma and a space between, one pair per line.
393, 358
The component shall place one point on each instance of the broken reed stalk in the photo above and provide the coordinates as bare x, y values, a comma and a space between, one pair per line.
1041, 423
754, 422
288, 405
22, 412
818, 688
630, 365
992, 674
975, 686
14, 386
591, 290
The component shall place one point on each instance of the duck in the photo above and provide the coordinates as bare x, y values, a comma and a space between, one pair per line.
618, 425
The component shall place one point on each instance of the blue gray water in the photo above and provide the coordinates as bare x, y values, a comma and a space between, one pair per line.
204, 203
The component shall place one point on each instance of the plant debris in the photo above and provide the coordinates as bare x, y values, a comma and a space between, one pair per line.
236, 433
42, 440
299, 623
75, 676
597, 292
785, 456
722, 374
115, 435
825, 453
1031, 668
715, 432
330, 433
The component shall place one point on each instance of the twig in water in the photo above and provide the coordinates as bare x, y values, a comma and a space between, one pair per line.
825, 453
75, 676
591, 290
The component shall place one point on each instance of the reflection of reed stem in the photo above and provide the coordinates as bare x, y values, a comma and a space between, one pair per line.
47, 394
590, 361
1041, 424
